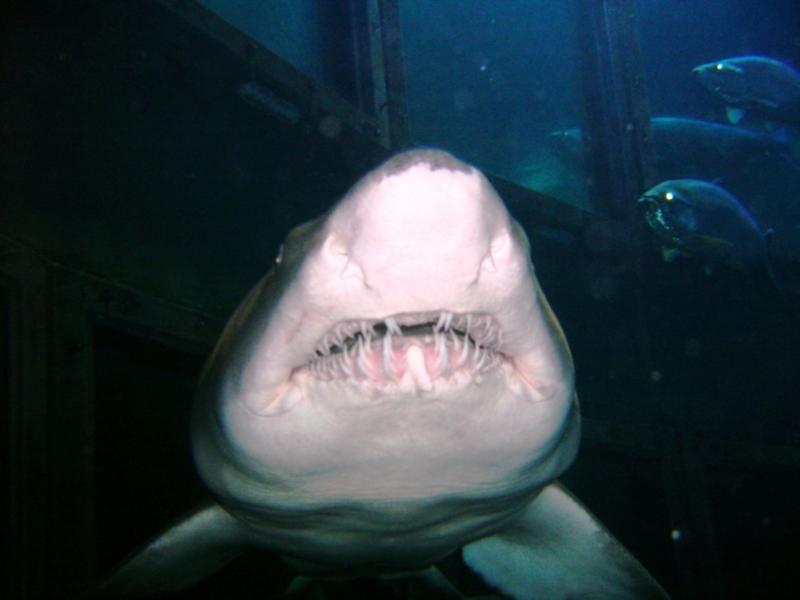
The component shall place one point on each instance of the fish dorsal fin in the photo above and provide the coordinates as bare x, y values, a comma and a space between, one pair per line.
557, 550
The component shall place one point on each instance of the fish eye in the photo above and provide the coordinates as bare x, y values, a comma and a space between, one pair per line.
720, 67
669, 196
279, 258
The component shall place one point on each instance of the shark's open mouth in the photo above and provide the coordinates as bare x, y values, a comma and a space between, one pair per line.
416, 348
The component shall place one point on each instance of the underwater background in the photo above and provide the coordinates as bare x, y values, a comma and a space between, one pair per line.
148, 182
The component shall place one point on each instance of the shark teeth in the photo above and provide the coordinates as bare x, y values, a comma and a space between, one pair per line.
408, 349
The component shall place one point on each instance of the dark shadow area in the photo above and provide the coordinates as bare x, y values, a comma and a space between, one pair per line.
756, 522
5, 438
626, 493
145, 474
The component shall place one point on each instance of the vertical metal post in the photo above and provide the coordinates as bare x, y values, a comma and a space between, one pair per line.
394, 74
616, 115
616, 129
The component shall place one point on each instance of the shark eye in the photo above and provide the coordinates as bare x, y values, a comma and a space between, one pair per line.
279, 258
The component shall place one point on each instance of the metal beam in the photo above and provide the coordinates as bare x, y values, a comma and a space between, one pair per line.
615, 112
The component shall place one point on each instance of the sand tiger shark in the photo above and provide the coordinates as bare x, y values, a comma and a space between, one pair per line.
395, 390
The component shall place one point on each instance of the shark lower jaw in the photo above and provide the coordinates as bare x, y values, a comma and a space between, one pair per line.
409, 352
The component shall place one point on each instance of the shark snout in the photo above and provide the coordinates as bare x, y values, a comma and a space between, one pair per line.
424, 233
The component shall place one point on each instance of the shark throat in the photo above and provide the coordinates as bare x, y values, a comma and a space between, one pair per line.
409, 350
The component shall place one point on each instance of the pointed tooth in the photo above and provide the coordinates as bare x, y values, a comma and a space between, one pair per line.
480, 360
392, 327
448, 321
387, 355
464, 353
415, 365
443, 359
347, 360
361, 358
360, 371
454, 340
344, 366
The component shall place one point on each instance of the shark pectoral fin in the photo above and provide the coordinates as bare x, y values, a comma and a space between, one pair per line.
189, 551
558, 550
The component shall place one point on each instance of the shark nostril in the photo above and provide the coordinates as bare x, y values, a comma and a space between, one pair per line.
335, 246
500, 244
488, 265
336, 251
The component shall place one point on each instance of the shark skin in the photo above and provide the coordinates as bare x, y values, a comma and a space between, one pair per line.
397, 388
